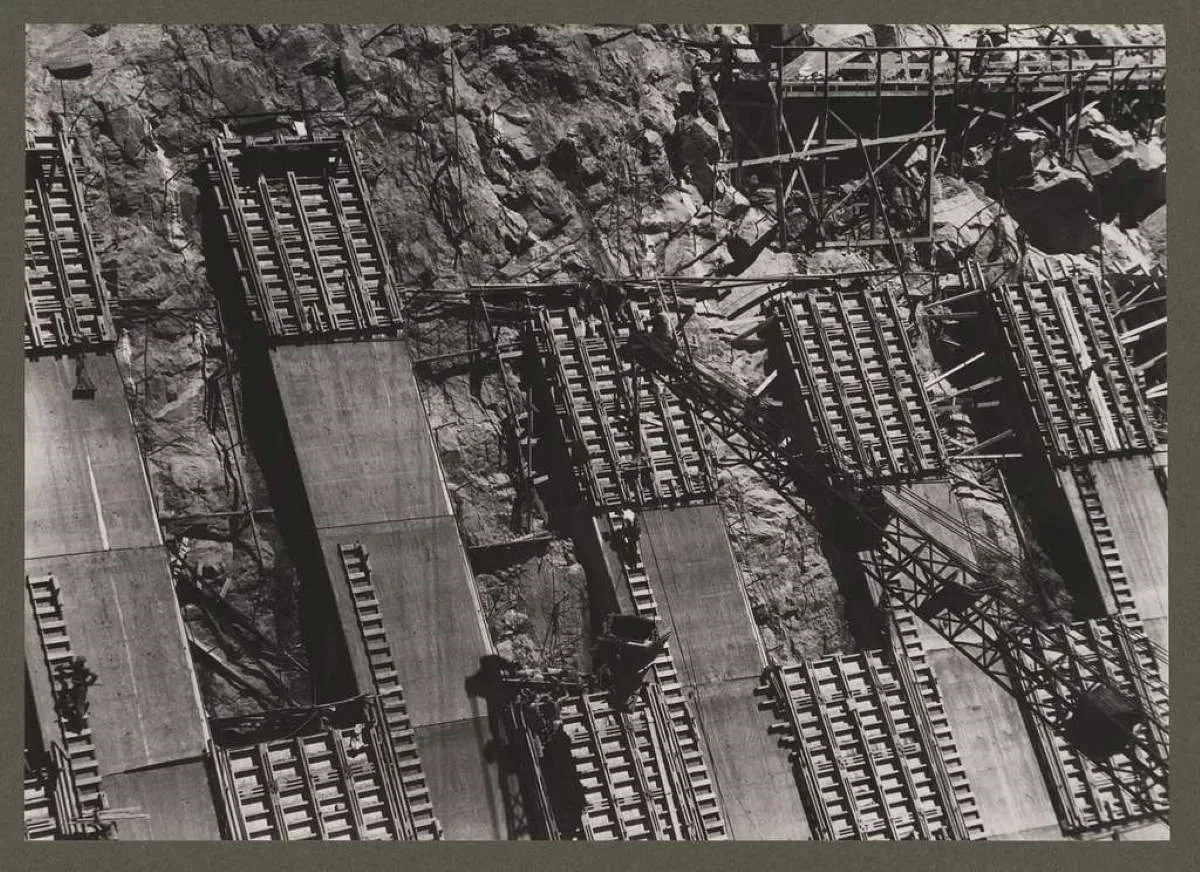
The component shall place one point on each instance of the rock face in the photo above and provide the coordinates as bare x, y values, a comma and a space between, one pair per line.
1130, 175
1154, 231
491, 154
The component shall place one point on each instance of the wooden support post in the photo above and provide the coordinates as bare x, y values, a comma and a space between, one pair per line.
878, 122
824, 139
940, 378
1130, 335
887, 225
780, 196
933, 160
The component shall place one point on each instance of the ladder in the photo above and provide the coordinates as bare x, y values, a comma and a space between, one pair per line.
41, 823
83, 769
666, 677
420, 822
66, 306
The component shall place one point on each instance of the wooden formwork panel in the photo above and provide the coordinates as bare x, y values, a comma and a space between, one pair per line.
1088, 798
65, 304
630, 781
634, 789
856, 381
632, 441
869, 755
1064, 347
306, 249
336, 784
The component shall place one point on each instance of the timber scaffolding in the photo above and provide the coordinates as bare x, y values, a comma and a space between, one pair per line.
1071, 311
1063, 366
121, 750
631, 442
846, 358
1084, 408
66, 308
872, 749
1060, 682
1066, 352
599, 771
825, 106
921, 787
293, 214
307, 252
1138, 302
331, 773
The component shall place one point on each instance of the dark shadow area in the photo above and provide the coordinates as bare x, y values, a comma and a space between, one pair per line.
1038, 499
269, 440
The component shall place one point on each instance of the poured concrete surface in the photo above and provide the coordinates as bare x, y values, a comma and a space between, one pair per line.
121, 615
427, 598
700, 598
464, 780
985, 720
717, 650
177, 798
372, 477
360, 432
85, 485
1137, 514
995, 748
758, 791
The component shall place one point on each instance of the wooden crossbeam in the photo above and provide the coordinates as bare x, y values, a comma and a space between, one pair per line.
954, 369
979, 446
838, 146
1130, 335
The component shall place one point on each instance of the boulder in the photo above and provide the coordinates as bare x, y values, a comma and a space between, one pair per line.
961, 216
699, 148
1130, 175
1154, 231
515, 142
1056, 209
1017, 160
1124, 250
